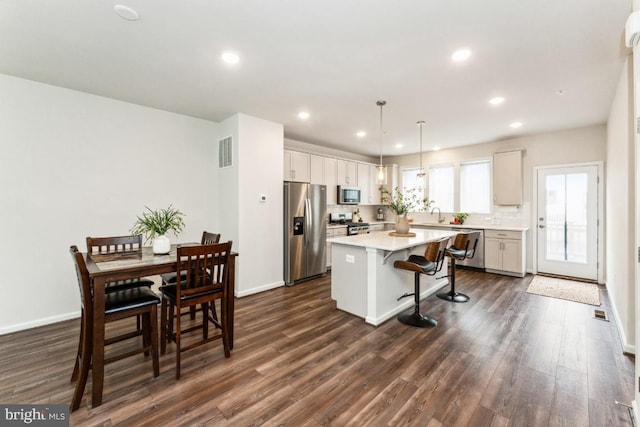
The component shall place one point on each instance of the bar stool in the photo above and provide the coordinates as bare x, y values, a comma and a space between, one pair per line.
464, 247
429, 264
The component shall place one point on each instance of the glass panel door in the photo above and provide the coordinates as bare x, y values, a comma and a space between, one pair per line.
567, 230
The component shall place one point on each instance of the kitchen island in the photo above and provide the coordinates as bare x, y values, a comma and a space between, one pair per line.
364, 281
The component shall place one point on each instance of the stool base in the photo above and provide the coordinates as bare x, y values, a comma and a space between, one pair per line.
453, 297
418, 320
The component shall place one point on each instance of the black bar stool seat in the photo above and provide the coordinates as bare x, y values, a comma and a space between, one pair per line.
464, 247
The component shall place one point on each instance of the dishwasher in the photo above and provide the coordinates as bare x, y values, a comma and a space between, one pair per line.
477, 262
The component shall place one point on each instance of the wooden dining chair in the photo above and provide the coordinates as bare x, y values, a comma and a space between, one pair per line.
170, 278
206, 280
116, 244
119, 304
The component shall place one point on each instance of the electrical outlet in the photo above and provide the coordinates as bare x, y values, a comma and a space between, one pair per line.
350, 259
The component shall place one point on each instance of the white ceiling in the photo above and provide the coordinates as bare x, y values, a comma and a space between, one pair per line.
335, 59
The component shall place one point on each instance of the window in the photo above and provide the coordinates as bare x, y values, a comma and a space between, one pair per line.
411, 180
441, 188
475, 187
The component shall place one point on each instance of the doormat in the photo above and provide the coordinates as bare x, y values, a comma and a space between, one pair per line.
586, 293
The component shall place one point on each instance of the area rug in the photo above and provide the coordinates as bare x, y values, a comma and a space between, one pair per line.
586, 293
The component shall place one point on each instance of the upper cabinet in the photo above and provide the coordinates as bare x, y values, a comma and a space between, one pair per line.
347, 173
324, 171
369, 192
296, 166
507, 178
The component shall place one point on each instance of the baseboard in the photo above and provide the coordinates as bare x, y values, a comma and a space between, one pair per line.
256, 290
626, 347
39, 322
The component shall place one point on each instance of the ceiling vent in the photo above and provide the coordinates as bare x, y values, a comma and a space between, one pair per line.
632, 29
225, 150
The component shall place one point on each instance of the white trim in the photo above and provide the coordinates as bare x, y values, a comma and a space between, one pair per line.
251, 291
39, 322
626, 347
601, 202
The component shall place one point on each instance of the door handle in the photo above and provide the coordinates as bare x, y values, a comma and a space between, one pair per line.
541, 226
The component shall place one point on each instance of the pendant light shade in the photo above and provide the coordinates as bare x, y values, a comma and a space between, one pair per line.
421, 173
381, 170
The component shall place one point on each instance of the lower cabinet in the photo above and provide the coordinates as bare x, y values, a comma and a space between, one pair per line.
333, 232
504, 252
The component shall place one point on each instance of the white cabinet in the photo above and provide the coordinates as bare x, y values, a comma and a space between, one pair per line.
331, 179
369, 193
296, 166
333, 232
504, 252
376, 227
347, 173
316, 169
507, 178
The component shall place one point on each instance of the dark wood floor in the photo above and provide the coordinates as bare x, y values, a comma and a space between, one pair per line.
504, 358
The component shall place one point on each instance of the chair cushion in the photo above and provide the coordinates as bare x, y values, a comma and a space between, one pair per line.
129, 298
127, 284
416, 263
459, 253
169, 278
170, 292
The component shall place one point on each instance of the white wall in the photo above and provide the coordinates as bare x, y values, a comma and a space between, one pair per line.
572, 146
620, 208
260, 144
73, 165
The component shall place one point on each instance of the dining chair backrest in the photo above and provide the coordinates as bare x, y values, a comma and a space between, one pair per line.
206, 269
210, 238
84, 282
106, 245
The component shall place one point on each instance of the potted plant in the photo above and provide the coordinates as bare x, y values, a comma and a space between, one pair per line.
401, 203
155, 224
460, 217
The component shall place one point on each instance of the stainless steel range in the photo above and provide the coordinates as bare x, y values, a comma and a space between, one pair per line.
353, 228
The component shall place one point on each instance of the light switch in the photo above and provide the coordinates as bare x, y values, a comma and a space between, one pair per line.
350, 259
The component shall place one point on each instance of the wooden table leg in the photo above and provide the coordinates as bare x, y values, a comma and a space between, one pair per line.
231, 298
98, 341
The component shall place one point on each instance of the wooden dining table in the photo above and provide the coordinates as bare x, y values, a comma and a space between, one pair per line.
104, 268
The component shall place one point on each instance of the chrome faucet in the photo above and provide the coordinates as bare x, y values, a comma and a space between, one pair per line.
440, 218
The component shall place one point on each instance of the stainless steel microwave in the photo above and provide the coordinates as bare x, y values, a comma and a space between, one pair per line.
348, 195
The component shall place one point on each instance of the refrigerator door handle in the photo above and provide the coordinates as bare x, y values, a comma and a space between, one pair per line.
307, 217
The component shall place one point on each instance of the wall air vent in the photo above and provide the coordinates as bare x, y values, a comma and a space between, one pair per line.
225, 150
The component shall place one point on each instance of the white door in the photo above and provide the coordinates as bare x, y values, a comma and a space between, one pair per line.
567, 221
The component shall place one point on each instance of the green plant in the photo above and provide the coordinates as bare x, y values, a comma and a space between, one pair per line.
409, 201
156, 223
462, 216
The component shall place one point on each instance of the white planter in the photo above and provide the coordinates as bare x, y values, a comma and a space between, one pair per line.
161, 245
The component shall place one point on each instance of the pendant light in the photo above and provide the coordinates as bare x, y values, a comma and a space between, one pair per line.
421, 173
381, 170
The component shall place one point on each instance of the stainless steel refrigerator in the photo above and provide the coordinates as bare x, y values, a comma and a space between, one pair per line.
305, 231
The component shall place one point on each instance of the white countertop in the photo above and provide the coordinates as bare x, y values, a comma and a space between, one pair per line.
473, 226
382, 240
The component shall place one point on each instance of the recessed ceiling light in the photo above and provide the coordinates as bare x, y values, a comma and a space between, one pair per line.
303, 115
436, 148
461, 55
231, 58
361, 134
126, 12
399, 145
515, 125
496, 100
